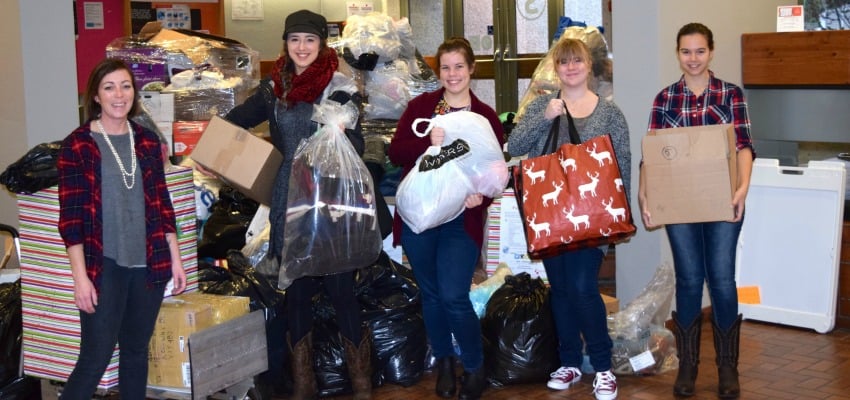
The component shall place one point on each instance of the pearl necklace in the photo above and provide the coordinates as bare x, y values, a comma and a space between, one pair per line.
124, 173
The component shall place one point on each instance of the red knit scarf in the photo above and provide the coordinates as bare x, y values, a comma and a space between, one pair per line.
307, 86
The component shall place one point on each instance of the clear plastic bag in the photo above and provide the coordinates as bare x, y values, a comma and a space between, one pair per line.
471, 161
331, 219
642, 345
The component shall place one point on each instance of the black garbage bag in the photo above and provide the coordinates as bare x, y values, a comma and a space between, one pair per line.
391, 306
225, 229
328, 353
520, 343
34, 171
391, 309
11, 330
240, 279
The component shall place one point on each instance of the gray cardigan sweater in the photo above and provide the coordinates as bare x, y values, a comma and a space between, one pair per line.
530, 134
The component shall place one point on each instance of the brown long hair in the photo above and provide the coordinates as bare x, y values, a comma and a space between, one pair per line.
91, 108
284, 68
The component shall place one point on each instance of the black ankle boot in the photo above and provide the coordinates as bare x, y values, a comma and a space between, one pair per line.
446, 378
687, 347
473, 384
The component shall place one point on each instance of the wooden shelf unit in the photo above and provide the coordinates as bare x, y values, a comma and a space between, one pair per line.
796, 59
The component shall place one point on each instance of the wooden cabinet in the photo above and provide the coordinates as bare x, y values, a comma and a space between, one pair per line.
842, 318
796, 59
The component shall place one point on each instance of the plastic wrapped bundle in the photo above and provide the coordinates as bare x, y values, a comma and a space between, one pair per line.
388, 91
372, 33
639, 328
155, 55
200, 95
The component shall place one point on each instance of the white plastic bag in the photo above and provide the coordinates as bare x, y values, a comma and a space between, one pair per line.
331, 219
471, 161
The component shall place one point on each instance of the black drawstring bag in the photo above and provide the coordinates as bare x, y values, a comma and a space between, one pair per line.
34, 171
520, 342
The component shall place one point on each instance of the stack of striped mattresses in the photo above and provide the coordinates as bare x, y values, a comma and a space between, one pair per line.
51, 332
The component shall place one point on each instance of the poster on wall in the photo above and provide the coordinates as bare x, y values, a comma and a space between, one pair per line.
140, 14
359, 7
251, 10
93, 14
789, 19
178, 16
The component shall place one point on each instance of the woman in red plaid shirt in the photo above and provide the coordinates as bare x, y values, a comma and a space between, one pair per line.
118, 225
704, 252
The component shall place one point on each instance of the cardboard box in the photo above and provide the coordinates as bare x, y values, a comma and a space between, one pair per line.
612, 304
168, 361
224, 308
185, 136
247, 162
690, 173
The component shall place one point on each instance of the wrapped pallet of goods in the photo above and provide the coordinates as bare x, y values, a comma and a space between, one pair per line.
196, 75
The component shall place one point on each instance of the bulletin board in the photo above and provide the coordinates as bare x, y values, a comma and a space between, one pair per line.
790, 242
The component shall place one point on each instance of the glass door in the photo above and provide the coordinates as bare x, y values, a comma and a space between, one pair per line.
509, 37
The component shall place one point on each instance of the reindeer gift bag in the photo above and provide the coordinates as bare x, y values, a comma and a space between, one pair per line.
572, 198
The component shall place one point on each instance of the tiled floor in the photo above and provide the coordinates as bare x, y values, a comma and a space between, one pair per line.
776, 362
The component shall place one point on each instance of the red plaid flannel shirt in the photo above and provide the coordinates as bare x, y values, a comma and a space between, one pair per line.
80, 216
720, 103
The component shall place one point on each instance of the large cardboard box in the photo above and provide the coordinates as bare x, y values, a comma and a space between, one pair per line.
168, 361
247, 162
690, 173
224, 308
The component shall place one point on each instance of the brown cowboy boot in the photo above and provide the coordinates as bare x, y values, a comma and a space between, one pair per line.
687, 347
303, 377
359, 360
726, 343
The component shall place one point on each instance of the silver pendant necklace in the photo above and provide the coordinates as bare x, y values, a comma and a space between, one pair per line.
124, 174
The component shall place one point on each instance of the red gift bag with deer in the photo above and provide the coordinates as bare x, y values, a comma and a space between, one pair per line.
572, 199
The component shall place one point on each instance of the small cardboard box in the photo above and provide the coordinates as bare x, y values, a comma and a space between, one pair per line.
612, 304
690, 173
247, 162
168, 361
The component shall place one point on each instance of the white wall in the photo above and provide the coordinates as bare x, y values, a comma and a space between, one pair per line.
644, 63
39, 82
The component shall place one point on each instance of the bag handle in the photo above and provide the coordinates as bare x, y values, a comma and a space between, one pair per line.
418, 121
552, 140
574, 138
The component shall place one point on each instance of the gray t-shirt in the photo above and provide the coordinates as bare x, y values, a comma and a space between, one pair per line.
123, 209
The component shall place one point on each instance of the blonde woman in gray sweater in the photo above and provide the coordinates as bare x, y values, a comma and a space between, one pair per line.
577, 306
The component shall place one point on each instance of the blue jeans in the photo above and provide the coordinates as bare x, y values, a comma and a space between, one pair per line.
443, 260
705, 252
578, 309
125, 314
